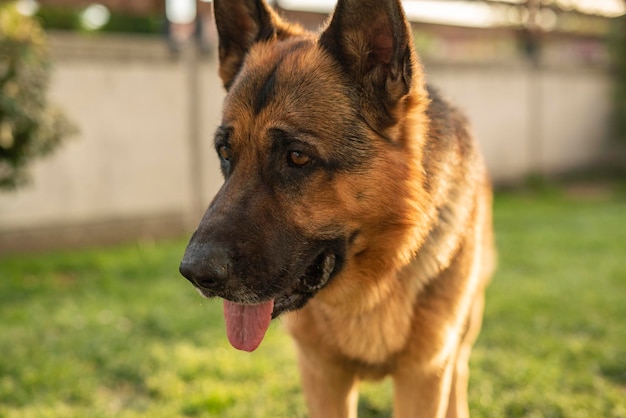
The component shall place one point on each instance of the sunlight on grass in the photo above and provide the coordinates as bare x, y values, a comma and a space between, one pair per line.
117, 332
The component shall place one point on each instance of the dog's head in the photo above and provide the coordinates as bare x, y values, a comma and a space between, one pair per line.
319, 137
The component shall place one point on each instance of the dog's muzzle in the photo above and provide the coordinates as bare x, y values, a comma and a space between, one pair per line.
210, 268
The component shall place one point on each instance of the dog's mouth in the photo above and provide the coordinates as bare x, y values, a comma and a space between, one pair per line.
319, 272
246, 324
315, 277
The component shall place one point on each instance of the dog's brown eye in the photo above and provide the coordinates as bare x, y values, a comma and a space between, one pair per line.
224, 152
299, 159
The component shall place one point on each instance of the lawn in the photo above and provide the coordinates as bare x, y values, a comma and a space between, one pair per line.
117, 332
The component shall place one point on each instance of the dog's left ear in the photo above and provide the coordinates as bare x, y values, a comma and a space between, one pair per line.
372, 40
241, 24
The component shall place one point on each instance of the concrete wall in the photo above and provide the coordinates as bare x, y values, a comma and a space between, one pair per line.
529, 120
143, 163
128, 173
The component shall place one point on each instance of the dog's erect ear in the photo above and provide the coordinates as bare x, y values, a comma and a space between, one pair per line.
372, 40
240, 24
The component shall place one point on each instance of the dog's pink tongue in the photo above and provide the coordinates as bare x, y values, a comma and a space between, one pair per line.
246, 324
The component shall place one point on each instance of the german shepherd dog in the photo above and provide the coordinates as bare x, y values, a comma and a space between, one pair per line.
355, 206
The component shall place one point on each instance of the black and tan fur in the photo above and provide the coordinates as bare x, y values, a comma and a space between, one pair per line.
355, 198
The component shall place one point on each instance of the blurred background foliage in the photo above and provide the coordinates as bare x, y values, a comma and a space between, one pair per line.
30, 127
64, 18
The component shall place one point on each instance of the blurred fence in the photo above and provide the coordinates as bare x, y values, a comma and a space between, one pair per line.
143, 164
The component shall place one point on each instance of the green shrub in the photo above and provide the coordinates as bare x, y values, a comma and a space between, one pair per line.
29, 126
62, 18
134, 24
67, 18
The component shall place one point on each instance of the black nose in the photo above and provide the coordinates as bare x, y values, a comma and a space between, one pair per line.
207, 267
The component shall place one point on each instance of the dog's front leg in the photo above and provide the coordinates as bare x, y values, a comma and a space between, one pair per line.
331, 390
423, 393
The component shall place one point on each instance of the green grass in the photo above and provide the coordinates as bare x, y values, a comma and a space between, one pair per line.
118, 333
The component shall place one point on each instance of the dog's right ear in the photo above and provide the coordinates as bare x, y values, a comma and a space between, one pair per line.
372, 41
241, 24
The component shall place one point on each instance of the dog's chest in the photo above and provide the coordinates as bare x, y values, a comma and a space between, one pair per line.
372, 335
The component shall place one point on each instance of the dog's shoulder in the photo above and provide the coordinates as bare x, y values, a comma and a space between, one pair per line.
455, 177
